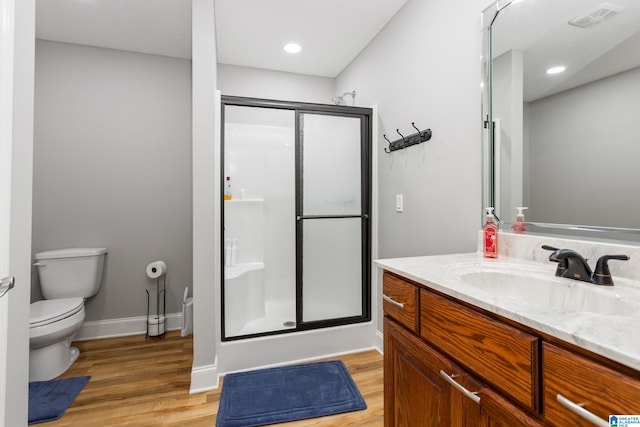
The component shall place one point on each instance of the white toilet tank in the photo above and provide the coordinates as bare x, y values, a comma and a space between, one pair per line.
72, 272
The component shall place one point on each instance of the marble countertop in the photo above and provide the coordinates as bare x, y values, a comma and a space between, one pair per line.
615, 335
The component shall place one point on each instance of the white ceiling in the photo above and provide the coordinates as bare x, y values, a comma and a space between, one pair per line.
540, 29
331, 32
249, 32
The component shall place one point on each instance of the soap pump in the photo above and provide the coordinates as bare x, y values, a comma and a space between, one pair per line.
519, 226
490, 235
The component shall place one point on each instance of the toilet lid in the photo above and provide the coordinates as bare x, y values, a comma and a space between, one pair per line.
52, 310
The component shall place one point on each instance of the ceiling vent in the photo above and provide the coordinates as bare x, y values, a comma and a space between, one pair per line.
596, 16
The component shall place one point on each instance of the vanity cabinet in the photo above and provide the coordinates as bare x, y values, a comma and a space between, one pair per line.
449, 364
425, 382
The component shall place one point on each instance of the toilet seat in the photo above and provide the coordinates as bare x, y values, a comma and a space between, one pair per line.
49, 311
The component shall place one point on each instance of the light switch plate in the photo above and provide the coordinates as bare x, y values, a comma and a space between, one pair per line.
399, 203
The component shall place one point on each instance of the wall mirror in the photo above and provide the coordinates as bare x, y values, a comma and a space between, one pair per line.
564, 142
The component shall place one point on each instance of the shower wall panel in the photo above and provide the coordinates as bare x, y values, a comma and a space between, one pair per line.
259, 159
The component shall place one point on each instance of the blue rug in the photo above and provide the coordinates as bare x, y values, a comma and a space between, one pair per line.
49, 399
276, 395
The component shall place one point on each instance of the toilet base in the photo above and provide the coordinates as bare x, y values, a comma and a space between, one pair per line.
48, 362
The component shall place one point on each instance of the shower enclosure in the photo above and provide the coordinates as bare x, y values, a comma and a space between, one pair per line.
296, 230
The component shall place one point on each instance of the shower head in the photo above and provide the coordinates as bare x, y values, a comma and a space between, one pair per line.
339, 100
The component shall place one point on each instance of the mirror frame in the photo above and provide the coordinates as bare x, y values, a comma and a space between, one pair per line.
576, 231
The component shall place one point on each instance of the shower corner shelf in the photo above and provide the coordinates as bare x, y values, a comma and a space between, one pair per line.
253, 200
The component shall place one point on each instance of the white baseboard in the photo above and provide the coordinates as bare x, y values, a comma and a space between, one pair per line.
379, 342
123, 327
204, 378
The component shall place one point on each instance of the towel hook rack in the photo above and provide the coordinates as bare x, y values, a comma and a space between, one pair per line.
407, 141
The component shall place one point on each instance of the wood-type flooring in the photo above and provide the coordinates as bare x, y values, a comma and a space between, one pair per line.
138, 381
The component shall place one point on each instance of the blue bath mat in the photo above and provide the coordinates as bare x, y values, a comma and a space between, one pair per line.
49, 399
288, 393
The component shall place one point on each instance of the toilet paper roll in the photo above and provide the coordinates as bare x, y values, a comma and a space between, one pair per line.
156, 269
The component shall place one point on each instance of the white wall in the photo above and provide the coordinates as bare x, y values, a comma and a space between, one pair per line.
424, 67
257, 83
206, 197
18, 32
112, 168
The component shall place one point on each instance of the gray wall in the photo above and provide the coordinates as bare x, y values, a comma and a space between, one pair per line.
424, 67
112, 168
583, 154
257, 83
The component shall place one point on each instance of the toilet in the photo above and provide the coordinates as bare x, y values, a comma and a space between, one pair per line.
67, 278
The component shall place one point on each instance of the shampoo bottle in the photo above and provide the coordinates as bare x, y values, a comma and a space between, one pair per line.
234, 252
227, 188
519, 226
490, 235
227, 253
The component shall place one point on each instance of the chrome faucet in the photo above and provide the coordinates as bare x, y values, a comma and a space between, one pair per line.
572, 265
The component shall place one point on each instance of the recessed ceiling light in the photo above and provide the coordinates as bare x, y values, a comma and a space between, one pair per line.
292, 48
556, 70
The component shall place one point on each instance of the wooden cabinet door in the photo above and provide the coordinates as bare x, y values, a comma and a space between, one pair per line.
415, 393
571, 380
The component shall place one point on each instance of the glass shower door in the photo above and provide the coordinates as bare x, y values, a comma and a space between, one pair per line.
259, 232
332, 218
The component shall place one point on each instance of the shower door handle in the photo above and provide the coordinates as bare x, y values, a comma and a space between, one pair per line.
6, 285
301, 217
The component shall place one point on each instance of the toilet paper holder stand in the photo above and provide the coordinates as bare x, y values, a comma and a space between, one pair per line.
156, 325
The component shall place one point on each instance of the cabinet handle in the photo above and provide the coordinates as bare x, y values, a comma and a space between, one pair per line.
473, 395
392, 301
579, 410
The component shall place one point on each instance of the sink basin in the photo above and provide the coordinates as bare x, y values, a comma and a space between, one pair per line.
539, 287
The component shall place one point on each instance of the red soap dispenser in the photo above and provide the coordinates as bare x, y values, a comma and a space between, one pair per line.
490, 234
519, 226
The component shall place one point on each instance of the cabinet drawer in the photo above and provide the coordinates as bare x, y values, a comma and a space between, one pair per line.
505, 357
599, 390
400, 301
